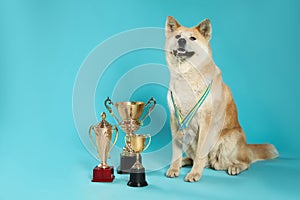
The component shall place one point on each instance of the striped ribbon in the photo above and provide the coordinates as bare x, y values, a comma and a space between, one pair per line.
183, 122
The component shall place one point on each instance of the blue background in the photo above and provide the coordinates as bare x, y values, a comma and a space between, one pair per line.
43, 44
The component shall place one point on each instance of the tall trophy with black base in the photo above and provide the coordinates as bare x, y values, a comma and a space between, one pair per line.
103, 135
130, 113
137, 171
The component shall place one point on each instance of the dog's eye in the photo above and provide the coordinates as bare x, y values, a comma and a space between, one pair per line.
192, 38
177, 36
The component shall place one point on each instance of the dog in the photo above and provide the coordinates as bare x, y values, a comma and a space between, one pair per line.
213, 137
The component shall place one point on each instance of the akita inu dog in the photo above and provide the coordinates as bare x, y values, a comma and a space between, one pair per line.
209, 134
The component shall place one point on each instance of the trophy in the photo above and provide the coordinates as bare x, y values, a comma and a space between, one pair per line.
137, 171
130, 113
103, 134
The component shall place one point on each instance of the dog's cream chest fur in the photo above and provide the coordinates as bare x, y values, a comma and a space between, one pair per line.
187, 87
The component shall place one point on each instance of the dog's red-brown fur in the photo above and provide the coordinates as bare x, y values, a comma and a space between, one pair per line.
230, 151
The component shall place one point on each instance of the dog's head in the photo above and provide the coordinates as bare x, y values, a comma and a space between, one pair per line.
184, 43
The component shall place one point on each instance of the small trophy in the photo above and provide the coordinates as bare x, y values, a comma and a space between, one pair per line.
130, 113
137, 171
103, 132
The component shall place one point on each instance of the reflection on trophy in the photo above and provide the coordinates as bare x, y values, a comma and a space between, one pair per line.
103, 134
130, 113
137, 172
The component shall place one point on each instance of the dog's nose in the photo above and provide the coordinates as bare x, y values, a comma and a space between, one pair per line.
181, 42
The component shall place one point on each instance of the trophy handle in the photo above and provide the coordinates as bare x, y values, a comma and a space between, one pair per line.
116, 138
149, 141
106, 102
149, 110
91, 136
126, 138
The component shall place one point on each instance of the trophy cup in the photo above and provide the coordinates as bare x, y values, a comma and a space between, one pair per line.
103, 132
130, 112
137, 172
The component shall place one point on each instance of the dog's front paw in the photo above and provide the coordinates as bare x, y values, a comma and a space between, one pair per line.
193, 177
172, 172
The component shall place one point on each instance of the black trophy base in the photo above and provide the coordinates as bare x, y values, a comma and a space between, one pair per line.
126, 162
137, 178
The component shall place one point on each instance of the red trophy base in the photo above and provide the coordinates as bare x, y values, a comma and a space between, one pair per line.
103, 174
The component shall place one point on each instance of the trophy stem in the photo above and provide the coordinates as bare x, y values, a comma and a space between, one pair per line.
103, 165
137, 165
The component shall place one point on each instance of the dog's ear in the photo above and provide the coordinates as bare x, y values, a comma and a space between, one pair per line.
171, 25
205, 29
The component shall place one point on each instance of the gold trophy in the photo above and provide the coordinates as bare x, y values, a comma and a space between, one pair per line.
103, 134
137, 172
130, 113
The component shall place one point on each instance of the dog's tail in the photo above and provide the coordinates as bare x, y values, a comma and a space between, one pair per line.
262, 152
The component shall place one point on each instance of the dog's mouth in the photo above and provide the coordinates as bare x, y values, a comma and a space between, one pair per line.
182, 53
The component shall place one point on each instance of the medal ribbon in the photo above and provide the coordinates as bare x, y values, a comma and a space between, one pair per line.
183, 122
